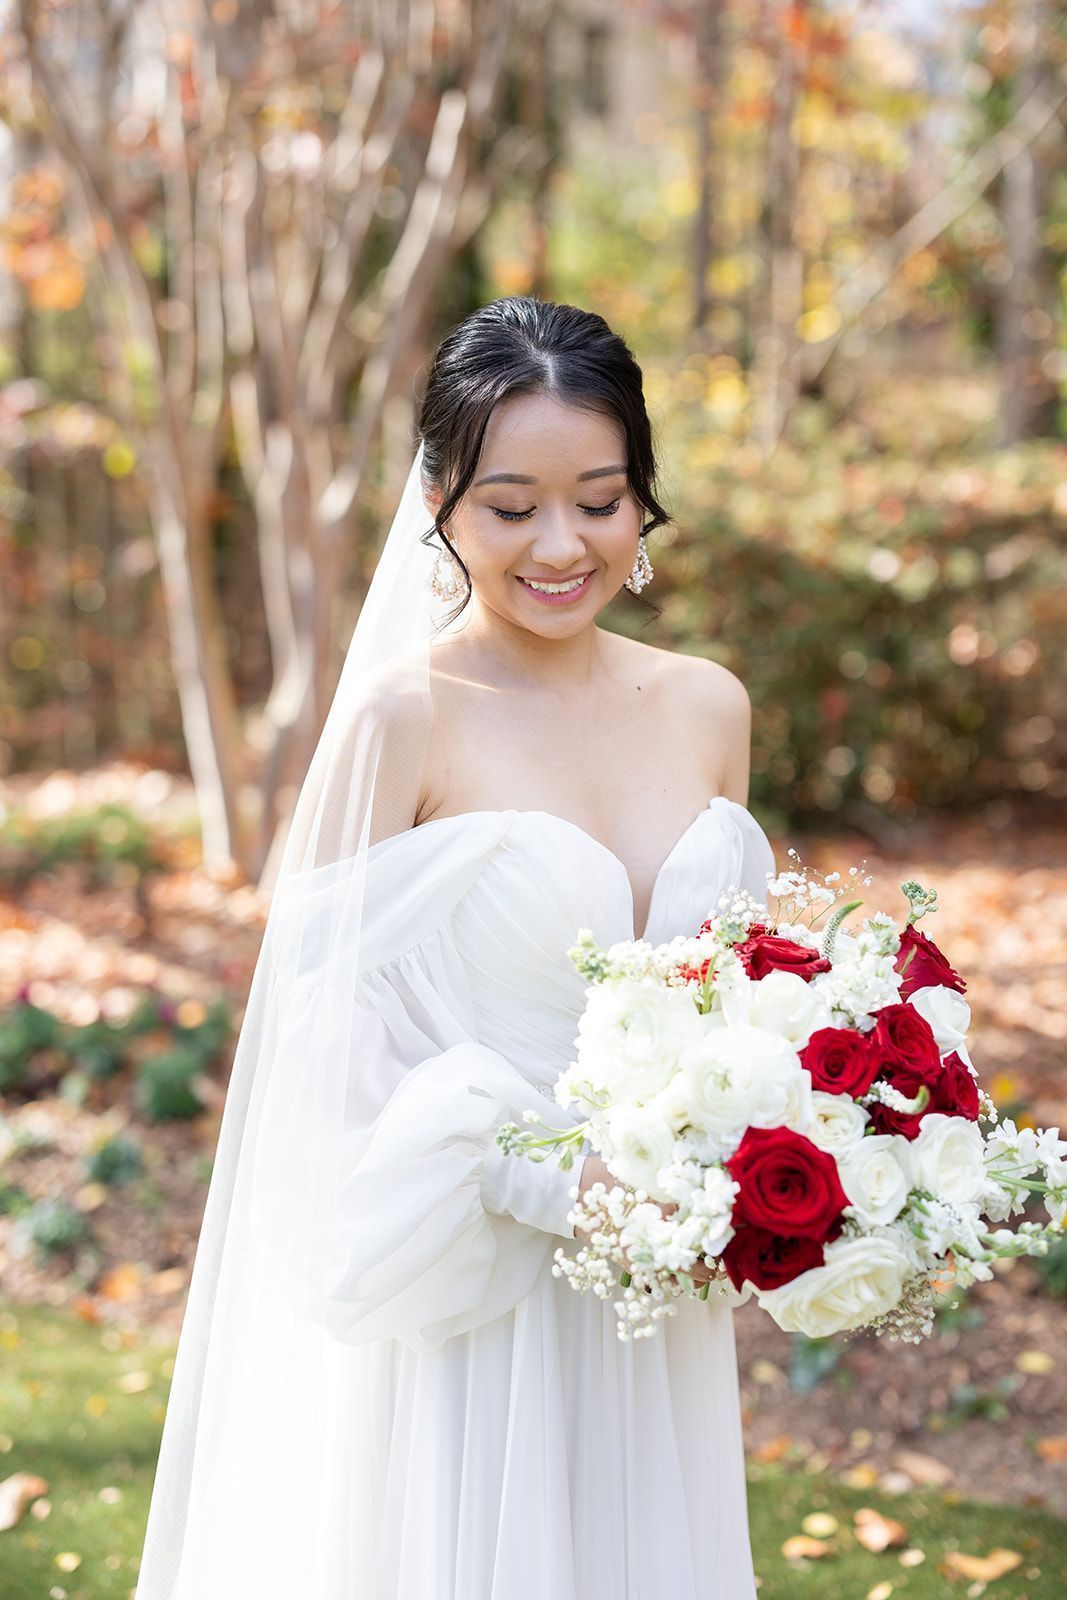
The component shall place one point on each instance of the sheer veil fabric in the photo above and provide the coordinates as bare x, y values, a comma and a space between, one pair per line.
259, 1429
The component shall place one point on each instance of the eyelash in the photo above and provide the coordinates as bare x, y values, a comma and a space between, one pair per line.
520, 516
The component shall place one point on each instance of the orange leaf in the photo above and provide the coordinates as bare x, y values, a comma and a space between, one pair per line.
1053, 1447
801, 1545
16, 1494
982, 1568
924, 1469
876, 1532
123, 1282
775, 1448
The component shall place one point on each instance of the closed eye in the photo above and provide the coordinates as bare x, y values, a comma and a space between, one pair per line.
520, 516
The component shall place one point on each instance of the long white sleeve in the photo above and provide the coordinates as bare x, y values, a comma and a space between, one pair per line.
439, 1229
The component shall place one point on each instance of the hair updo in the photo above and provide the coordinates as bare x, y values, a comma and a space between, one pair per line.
522, 345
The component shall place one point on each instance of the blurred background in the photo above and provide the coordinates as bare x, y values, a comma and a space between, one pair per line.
835, 236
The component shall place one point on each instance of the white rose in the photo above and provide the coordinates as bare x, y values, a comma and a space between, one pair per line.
860, 1278
838, 1122
874, 1180
948, 1014
637, 1145
947, 1158
785, 1003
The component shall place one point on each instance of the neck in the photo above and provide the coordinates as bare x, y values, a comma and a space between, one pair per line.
508, 653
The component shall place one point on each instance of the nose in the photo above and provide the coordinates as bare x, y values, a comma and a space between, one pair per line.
556, 542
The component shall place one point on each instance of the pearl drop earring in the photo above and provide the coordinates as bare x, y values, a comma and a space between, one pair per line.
642, 570
446, 578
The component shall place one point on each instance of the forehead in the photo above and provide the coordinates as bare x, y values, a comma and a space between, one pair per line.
547, 437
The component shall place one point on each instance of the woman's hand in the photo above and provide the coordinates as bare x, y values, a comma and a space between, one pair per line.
594, 1170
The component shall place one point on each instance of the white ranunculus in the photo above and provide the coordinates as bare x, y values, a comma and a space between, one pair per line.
947, 1157
743, 1076
838, 1122
637, 1145
946, 1011
859, 1279
630, 1036
785, 1003
874, 1179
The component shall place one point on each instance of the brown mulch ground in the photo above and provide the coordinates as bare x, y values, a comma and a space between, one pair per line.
981, 1407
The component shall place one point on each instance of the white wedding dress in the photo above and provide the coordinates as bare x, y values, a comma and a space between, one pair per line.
500, 1441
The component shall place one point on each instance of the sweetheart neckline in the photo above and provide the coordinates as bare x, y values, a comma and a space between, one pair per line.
517, 811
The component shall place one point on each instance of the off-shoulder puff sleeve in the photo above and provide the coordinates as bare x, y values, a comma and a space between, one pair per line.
419, 1227
440, 1229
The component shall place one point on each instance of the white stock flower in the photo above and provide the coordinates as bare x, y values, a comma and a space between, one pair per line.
782, 1002
839, 1122
874, 1180
948, 1014
860, 1279
947, 1158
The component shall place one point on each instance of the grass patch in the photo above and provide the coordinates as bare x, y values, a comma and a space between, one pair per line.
83, 1406
938, 1525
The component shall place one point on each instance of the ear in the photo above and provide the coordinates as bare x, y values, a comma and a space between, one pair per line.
432, 499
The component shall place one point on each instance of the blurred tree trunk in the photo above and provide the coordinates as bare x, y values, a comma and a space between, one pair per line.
1023, 325
775, 337
270, 250
710, 65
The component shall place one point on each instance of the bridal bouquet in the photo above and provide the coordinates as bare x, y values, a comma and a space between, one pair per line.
795, 1104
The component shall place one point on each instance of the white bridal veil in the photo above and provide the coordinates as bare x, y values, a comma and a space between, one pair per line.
262, 1429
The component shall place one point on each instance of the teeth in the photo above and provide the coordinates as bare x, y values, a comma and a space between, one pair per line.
555, 588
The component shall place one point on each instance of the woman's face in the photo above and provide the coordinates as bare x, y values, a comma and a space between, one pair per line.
549, 504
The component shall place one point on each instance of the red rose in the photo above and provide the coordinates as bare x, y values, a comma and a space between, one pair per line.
764, 952
903, 1038
767, 1259
923, 964
885, 1119
840, 1061
955, 1091
787, 1184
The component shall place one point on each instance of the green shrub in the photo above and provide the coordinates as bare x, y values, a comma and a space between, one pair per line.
109, 840
116, 1161
24, 1030
164, 1085
55, 1227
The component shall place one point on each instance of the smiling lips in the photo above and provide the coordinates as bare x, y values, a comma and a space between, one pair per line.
556, 591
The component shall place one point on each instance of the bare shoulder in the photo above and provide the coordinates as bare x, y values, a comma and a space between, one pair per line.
706, 685
706, 696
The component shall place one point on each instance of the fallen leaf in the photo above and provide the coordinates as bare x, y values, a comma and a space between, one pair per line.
924, 1469
122, 1282
876, 1532
68, 1561
16, 1492
775, 1448
1037, 1363
134, 1382
83, 1308
801, 1545
861, 1476
881, 1591
1052, 1448
983, 1568
912, 1557
820, 1524
765, 1372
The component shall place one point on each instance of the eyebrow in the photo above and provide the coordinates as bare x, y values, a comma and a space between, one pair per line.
518, 477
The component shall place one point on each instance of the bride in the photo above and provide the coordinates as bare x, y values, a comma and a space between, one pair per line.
382, 1391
